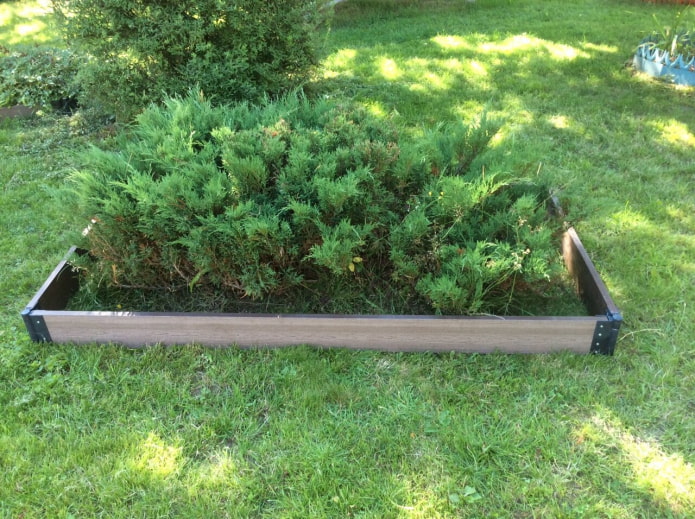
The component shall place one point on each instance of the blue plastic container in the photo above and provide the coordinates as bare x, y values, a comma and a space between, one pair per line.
658, 63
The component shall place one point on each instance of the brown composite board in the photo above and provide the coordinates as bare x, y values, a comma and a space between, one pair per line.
588, 282
59, 287
389, 333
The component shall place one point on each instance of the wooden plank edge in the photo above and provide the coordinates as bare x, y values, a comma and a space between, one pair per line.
54, 294
58, 288
593, 292
403, 333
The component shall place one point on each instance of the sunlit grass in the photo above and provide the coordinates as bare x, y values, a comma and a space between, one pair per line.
188, 432
390, 69
29, 23
516, 44
668, 477
157, 458
675, 132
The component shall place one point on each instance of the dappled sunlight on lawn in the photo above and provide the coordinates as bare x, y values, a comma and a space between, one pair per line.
685, 219
674, 240
20, 21
677, 234
598, 48
655, 245
340, 62
667, 477
560, 122
415, 497
674, 132
442, 74
630, 219
376, 108
468, 109
219, 472
516, 44
27, 10
430, 80
30, 29
389, 69
424, 75
157, 458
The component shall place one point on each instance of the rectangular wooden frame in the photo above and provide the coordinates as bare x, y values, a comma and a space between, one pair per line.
47, 320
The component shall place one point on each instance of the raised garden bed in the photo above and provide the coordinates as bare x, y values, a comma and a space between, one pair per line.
47, 320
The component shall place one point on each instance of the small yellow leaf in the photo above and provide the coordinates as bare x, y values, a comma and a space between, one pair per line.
357, 259
351, 267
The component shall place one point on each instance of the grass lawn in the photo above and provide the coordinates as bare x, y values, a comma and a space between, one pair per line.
299, 432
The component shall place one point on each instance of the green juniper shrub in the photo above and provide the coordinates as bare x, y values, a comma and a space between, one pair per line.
236, 50
291, 196
38, 76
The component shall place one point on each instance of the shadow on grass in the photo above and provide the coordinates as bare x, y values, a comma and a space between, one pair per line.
618, 145
647, 467
607, 139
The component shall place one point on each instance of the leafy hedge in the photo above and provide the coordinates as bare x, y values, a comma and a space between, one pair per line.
233, 50
37, 76
292, 195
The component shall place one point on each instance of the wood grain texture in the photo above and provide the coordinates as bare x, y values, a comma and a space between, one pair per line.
396, 333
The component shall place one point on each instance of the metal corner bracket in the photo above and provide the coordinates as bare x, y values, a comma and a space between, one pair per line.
36, 326
606, 334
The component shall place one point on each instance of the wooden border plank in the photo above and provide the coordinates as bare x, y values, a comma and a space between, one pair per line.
60, 286
588, 282
388, 333
593, 292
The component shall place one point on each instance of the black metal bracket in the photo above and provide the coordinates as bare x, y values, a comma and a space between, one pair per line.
606, 334
36, 326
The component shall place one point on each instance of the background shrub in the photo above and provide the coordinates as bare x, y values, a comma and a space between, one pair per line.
231, 49
37, 76
292, 196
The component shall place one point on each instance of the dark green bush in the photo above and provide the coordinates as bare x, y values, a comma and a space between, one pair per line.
272, 200
37, 76
233, 50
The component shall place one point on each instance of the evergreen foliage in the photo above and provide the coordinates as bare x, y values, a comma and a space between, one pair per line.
233, 50
268, 200
37, 76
